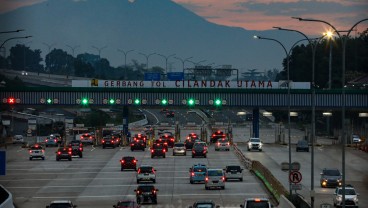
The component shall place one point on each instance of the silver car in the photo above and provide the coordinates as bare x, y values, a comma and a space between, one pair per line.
222, 144
146, 173
233, 172
179, 149
215, 178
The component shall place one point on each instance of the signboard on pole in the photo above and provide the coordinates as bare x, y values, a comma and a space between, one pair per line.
295, 177
152, 76
173, 76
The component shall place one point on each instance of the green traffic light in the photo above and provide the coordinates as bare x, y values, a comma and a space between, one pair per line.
164, 102
49, 101
218, 102
84, 101
191, 102
137, 101
112, 101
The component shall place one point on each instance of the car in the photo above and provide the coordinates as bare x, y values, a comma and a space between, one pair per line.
18, 139
24, 73
137, 145
146, 173
57, 136
199, 149
36, 151
356, 139
77, 148
330, 177
164, 110
256, 202
140, 137
64, 153
222, 144
117, 139
302, 145
51, 141
189, 142
197, 173
179, 149
126, 204
204, 204
233, 172
128, 162
217, 135
61, 204
351, 197
170, 139
254, 144
158, 150
215, 178
170, 114
87, 138
163, 142
146, 193
108, 141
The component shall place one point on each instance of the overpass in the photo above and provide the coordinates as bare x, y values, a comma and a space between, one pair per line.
232, 97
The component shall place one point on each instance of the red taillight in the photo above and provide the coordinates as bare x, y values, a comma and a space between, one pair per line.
132, 144
206, 179
193, 151
218, 143
46, 140
30, 151
122, 161
69, 153
164, 150
43, 150
137, 191
59, 153
213, 135
134, 161
204, 151
139, 171
55, 140
193, 174
223, 178
154, 191
228, 143
81, 137
112, 141
80, 149
103, 141
152, 150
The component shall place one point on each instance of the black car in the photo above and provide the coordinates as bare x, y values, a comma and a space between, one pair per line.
199, 149
108, 142
146, 194
64, 153
331, 177
137, 145
163, 142
170, 114
170, 139
189, 142
204, 203
302, 145
158, 150
217, 135
128, 162
77, 148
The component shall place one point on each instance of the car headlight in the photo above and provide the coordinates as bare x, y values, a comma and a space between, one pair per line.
260, 144
339, 198
355, 199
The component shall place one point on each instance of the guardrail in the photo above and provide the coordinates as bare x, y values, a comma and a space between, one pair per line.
6, 198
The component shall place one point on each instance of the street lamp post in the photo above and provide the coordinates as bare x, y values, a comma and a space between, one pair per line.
125, 61
72, 48
147, 57
13, 39
166, 58
313, 98
99, 50
183, 61
343, 136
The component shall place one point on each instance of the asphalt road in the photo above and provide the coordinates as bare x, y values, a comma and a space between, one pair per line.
96, 180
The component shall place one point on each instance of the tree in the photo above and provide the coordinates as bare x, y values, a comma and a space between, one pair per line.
59, 62
23, 58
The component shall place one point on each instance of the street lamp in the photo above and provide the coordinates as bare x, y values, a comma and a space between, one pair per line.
11, 31
314, 48
72, 48
196, 63
343, 43
99, 50
147, 57
13, 39
125, 55
166, 58
183, 60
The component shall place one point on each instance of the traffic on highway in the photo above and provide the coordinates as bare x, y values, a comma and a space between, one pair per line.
179, 158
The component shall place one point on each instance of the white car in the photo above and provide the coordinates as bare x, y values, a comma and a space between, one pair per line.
61, 203
351, 197
256, 202
222, 144
146, 173
215, 178
356, 138
18, 139
254, 144
233, 172
179, 149
36, 151
24, 73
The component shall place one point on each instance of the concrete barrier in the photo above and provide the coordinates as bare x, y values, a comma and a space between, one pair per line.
285, 203
6, 198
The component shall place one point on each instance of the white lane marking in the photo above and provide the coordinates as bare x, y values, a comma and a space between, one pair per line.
161, 195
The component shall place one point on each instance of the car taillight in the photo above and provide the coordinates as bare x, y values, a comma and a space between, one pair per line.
90, 137
69, 152
55, 140
81, 137
152, 150
134, 161
43, 150
164, 150
228, 143
122, 161
112, 141
223, 178
132, 144
46, 140
103, 141
80, 149
165, 143
139, 171
59, 153
30, 151
218, 143
204, 151
193, 151
193, 174
138, 191
154, 191
206, 179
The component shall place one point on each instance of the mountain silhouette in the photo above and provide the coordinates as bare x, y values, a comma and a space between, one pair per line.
145, 26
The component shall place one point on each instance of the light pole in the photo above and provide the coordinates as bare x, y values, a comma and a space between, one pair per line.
13, 39
183, 61
313, 103
11, 31
147, 57
72, 48
197, 63
99, 50
343, 44
125, 61
166, 58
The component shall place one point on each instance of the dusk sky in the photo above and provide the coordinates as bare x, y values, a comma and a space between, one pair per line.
264, 14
